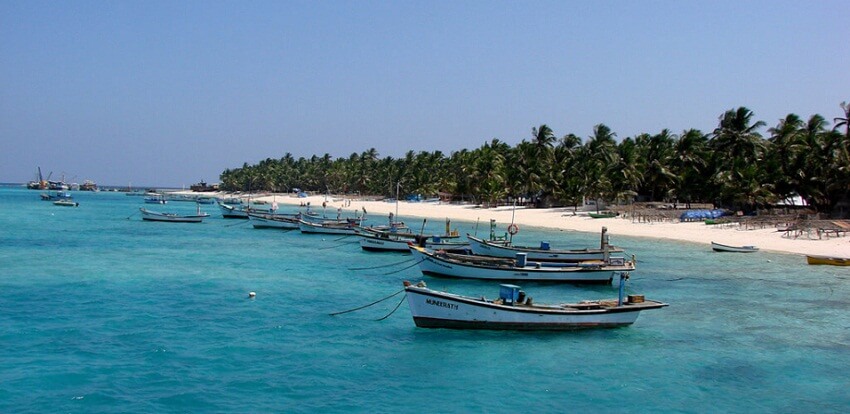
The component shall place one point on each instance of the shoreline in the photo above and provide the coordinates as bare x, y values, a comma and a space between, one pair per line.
769, 239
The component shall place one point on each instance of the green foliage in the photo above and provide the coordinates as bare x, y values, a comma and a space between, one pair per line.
734, 166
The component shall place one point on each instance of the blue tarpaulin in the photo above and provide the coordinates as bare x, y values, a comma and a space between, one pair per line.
695, 215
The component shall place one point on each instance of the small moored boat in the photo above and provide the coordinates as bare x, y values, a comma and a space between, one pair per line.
236, 211
148, 215
717, 247
66, 203
514, 310
155, 198
388, 242
205, 200
827, 260
58, 195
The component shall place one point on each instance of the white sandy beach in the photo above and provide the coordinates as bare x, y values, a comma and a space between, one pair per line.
563, 219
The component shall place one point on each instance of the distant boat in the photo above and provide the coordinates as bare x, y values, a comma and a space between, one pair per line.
602, 214
88, 185
66, 203
232, 201
827, 260
58, 195
39, 184
717, 247
172, 217
205, 200
155, 198
497, 268
514, 310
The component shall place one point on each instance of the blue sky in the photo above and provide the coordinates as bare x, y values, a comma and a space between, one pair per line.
168, 93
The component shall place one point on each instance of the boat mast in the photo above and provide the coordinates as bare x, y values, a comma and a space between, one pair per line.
513, 214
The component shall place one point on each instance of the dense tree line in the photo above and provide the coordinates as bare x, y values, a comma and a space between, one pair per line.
733, 166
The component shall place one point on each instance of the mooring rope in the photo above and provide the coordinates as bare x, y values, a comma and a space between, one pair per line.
344, 237
339, 245
237, 223
378, 267
393, 311
366, 306
408, 267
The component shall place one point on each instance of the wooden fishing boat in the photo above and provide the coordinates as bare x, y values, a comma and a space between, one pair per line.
503, 248
514, 310
274, 221
602, 214
396, 236
389, 242
717, 247
234, 211
827, 260
66, 203
328, 227
497, 268
172, 217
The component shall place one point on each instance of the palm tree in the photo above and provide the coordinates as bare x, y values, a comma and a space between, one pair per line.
690, 165
657, 156
787, 146
565, 182
843, 122
600, 157
627, 175
492, 173
737, 145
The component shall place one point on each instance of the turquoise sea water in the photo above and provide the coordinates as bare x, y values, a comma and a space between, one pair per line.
101, 312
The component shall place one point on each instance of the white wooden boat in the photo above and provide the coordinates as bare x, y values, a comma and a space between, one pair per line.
66, 203
543, 253
274, 221
514, 310
717, 247
311, 216
497, 268
240, 211
396, 236
172, 217
234, 211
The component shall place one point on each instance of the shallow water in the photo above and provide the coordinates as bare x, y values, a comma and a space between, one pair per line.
102, 312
